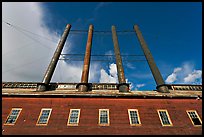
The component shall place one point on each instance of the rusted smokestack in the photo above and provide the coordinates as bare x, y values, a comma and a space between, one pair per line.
161, 87
123, 86
50, 70
84, 85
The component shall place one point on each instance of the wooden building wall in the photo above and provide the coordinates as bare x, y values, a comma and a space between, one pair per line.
88, 122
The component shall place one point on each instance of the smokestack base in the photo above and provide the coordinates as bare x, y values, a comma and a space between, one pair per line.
123, 87
41, 87
163, 88
84, 87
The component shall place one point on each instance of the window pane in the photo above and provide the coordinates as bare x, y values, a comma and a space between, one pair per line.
164, 117
194, 117
133, 116
163, 114
103, 119
196, 121
44, 117
74, 116
13, 116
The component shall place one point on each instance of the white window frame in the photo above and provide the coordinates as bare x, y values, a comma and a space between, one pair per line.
16, 116
158, 110
138, 117
191, 117
44, 124
73, 124
99, 119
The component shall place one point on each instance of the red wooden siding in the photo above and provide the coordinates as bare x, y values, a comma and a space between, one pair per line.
88, 122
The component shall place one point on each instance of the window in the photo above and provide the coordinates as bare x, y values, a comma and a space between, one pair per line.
109, 87
195, 119
13, 116
104, 117
100, 86
44, 116
164, 117
134, 117
73, 119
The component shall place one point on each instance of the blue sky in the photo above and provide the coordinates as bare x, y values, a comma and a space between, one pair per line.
172, 30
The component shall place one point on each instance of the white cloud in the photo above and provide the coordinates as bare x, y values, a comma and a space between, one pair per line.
67, 72
106, 78
101, 5
129, 65
94, 74
177, 70
140, 85
25, 57
131, 86
110, 52
186, 74
96, 10
113, 70
196, 74
112, 76
173, 77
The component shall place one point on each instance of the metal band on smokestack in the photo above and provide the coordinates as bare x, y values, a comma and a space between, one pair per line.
123, 86
84, 85
161, 87
50, 70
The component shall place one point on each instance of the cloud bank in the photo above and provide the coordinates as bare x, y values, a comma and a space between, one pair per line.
192, 77
186, 74
25, 56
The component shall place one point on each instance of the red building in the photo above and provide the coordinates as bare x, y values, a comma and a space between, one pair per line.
100, 109
104, 111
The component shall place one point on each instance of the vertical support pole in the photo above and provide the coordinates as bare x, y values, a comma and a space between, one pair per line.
161, 87
84, 86
123, 86
50, 70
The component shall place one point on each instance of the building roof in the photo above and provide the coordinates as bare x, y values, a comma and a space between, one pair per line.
100, 93
175, 92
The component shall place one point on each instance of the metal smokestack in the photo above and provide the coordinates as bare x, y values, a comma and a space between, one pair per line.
50, 70
123, 86
161, 87
84, 86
